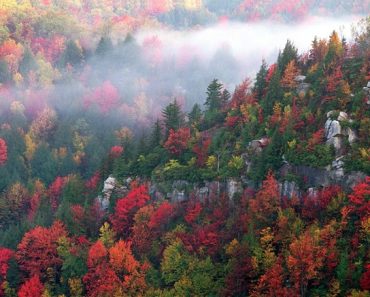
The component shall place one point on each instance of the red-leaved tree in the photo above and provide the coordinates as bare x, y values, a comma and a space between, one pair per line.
116, 151
177, 141
31, 288
267, 201
162, 215
360, 198
126, 207
201, 150
55, 190
3, 152
114, 271
5, 256
38, 249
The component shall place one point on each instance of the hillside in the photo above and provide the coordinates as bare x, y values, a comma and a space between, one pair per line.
114, 184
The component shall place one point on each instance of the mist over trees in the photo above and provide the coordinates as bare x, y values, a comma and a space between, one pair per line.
162, 148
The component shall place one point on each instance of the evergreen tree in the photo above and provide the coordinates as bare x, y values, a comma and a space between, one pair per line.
27, 63
72, 54
44, 165
274, 94
289, 53
156, 136
225, 97
104, 46
142, 145
214, 96
214, 103
195, 115
172, 117
261, 84
5, 75
128, 52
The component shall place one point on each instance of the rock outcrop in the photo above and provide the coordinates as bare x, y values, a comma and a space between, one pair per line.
255, 147
367, 91
302, 87
110, 187
234, 186
336, 133
289, 189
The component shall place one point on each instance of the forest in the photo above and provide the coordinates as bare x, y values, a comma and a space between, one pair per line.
125, 171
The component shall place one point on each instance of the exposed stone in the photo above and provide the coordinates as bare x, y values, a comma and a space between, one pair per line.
255, 147
180, 184
178, 196
312, 192
300, 78
353, 178
109, 184
234, 187
342, 116
302, 87
128, 181
203, 193
337, 169
289, 189
332, 129
352, 136
103, 202
336, 135
120, 191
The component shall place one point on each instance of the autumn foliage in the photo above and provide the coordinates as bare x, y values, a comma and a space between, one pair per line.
126, 208
38, 249
3, 151
177, 141
32, 288
113, 271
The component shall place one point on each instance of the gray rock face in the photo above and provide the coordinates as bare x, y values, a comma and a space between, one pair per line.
336, 134
109, 184
300, 78
103, 202
202, 193
233, 187
255, 147
110, 188
289, 189
178, 196
337, 169
302, 87
312, 192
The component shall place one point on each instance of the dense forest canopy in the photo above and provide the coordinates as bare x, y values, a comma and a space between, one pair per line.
144, 154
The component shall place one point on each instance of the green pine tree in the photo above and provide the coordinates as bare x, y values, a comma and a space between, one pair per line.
173, 117
261, 84
156, 136
289, 53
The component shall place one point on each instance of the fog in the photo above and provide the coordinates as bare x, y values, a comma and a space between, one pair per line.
181, 64
249, 43
160, 65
